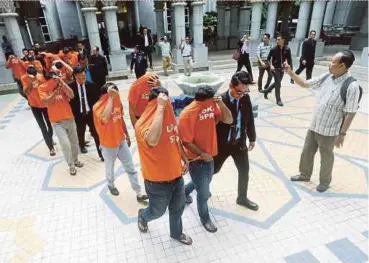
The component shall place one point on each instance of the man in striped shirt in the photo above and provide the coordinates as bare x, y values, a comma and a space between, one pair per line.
331, 119
262, 53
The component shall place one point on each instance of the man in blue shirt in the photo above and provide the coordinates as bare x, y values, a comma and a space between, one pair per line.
83, 62
232, 137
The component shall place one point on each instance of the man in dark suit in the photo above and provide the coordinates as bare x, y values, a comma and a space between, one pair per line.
147, 45
98, 68
307, 56
232, 137
86, 94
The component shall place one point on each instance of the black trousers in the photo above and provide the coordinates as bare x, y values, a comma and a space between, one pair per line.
147, 51
261, 75
241, 160
309, 69
278, 76
81, 123
42, 118
244, 60
139, 73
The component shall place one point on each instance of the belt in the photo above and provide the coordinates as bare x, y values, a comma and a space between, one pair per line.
186, 56
164, 182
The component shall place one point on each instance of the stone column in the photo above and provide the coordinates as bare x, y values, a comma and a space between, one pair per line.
329, 13
256, 21
137, 15
302, 26
234, 34
92, 27
13, 32
272, 18
221, 42
117, 57
316, 23
200, 51
244, 23
53, 21
179, 35
81, 20
227, 22
159, 9
172, 26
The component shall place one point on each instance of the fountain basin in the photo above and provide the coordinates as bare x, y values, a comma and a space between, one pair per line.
190, 84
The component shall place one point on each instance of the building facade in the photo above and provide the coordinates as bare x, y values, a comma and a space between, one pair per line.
27, 22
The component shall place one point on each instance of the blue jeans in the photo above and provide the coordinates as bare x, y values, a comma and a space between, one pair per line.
163, 195
201, 173
123, 153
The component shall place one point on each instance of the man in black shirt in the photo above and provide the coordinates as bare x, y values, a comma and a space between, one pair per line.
98, 68
231, 138
139, 61
278, 54
307, 56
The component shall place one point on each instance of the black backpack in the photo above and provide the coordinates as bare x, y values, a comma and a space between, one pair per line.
344, 87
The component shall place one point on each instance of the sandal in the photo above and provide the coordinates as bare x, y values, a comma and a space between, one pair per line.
185, 239
142, 224
78, 164
72, 171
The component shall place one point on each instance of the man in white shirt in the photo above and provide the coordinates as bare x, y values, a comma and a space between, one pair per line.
165, 53
86, 94
262, 53
187, 57
332, 116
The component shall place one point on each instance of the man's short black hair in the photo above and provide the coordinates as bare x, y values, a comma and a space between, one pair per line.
106, 86
204, 92
31, 49
347, 58
97, 48
240, 77
78, 69
267, 35
24, 49
31, 70
282, 36
154, 92
50, 75
312, 31
66, 50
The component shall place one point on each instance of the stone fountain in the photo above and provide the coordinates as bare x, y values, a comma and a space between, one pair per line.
189, 86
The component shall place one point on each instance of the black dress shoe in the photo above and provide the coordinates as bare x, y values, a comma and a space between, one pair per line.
279, 103
265, 94
247, 203
113, 190
84, 150
189, 199
300, 178
322, 188
210, 227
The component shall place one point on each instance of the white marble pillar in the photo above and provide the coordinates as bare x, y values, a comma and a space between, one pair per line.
317, 16
302, 26
13, 32
92, 27
329, 13
303, 20
117, 57
244, 22
159, 21
137, 15
256, 21
271, 18
179, 35
221, 42
81, 20
200, 51
53, 21
227, 22
234, 20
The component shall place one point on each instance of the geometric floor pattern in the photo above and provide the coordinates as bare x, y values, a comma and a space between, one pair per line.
48, 216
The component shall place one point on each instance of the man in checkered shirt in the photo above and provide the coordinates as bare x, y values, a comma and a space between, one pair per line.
331, 119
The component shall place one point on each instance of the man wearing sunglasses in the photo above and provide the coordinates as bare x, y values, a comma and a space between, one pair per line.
232, 137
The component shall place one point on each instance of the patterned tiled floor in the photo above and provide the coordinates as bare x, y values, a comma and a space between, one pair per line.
48, 216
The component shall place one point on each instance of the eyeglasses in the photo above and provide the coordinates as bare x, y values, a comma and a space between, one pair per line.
240, 92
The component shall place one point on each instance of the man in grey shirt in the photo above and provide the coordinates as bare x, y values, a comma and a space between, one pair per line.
331, 119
